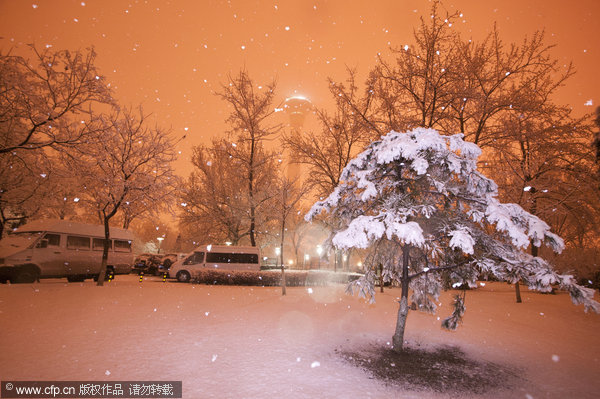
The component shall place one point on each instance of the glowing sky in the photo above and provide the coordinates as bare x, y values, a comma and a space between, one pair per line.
171, 55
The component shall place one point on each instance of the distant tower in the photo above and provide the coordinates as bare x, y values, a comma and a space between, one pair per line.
296, 107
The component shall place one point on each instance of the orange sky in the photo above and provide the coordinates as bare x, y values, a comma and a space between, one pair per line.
171, 55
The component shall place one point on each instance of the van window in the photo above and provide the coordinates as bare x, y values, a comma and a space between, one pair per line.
49, 240
98, 244
122, 246
53, 239
194, 259
218, 257
74, 242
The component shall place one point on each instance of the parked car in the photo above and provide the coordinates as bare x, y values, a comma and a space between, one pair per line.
170, 258
147, 263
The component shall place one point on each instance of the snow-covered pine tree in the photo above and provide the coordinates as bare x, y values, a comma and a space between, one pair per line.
418, 199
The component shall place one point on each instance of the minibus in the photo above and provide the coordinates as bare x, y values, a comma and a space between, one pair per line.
216, 257
62, 248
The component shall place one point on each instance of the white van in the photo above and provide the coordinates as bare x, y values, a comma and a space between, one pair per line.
62, 248
220, 257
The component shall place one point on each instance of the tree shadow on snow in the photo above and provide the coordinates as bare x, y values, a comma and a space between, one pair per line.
444, 369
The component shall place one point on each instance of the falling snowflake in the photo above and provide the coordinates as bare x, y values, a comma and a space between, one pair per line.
315, 364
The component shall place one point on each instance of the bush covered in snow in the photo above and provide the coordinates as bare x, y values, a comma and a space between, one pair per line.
266, 278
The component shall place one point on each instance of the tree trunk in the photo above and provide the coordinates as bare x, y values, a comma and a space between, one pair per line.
534, 249
282, 239
251, 190
534, 252
381, 277
104, 253
283, 282
398, 338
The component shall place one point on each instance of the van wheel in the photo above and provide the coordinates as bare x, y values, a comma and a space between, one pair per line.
25, 274
75, 279
183, 276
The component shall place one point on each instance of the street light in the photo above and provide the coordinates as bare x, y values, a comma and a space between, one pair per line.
160, 240
306, 259
319, 252
277, 253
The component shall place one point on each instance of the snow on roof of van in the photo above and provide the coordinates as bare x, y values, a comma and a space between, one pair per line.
228, 248
69, 226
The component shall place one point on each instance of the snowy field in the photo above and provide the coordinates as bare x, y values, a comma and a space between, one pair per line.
250, 342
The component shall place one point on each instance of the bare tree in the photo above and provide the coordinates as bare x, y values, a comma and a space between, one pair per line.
213, 200
420, 83
297, 232
452, 84
546, 171
251, 106
46, 101
45, 105
327, 152
24, 182
597, 139
291, 192
128, 162
495, 80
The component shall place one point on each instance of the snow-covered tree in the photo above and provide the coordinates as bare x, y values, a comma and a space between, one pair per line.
418, 199
128, 162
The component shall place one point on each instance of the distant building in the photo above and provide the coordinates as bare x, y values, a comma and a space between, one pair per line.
296, 107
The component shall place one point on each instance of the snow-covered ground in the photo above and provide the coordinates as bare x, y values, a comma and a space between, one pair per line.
251, 342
